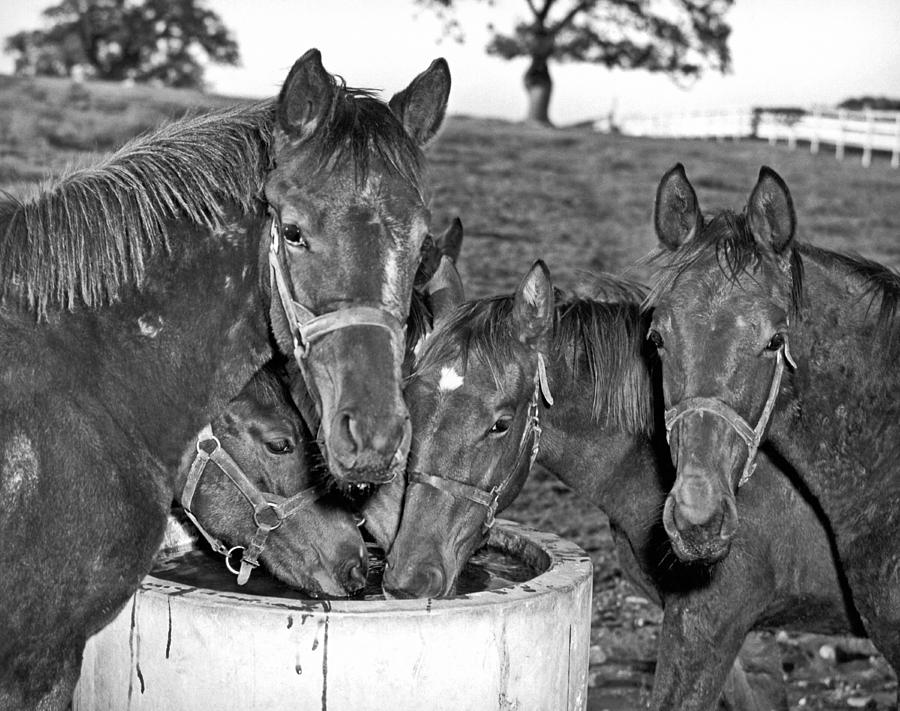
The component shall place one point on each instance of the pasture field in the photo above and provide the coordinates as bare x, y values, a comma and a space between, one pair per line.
583, 202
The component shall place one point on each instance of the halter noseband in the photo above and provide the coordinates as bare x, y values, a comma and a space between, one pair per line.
490, 498
752, 436
269, 510
306, 327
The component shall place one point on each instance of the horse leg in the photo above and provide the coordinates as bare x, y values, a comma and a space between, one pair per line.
756, 680
58, 697
700, 639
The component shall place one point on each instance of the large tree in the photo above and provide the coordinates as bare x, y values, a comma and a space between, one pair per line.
148, 40
681, 38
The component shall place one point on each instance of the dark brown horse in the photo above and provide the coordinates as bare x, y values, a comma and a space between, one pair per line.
761, 337
262, 481
138, 302
481, 410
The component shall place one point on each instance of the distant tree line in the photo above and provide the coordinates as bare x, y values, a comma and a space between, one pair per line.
164, 41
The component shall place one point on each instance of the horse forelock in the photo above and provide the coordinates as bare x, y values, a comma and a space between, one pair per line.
359, 127
607, 337
87, 233
727, 238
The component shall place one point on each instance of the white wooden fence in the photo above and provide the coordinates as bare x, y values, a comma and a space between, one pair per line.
866, 130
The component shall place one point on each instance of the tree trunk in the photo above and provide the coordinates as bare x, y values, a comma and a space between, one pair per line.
538, 87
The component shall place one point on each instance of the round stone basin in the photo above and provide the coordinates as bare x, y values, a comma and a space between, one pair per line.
515, 645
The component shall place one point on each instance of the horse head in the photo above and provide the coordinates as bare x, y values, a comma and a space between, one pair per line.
260, 487
473, 397
722, 307
348, 201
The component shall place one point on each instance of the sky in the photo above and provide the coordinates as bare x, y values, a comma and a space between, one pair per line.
784, 52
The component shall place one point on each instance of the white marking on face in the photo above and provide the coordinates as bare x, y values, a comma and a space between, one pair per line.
450, 380
19, 468
150, 325
391, 283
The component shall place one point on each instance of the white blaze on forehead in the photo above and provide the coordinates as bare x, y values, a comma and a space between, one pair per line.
392, 282
450, 379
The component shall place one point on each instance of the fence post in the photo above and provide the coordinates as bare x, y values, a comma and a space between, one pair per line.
792, 136
839, 143
814, 138
867, 147
895, 155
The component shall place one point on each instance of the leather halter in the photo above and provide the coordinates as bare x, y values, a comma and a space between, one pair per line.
490, 498
306, 327
752, 436
269, 510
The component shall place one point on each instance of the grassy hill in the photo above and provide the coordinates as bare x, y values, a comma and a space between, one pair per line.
583, 202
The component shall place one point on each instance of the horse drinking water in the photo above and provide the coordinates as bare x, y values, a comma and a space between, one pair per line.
767, 342
480, 400
254, 486
138, 302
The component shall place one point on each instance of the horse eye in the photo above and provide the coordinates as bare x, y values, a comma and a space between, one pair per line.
293, 235
280, 446
500, 427
656, 339
776, 342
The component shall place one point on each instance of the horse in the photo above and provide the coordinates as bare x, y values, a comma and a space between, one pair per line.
253, 482
140, 294
765, 340
480, 399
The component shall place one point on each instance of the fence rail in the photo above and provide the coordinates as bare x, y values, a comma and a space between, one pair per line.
866, 130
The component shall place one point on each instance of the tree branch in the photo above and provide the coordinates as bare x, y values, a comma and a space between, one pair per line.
571, 15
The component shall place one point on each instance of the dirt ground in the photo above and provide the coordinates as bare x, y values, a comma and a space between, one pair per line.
582, 201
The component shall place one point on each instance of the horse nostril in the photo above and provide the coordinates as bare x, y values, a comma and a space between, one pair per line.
345, 443
729, 520
429, 581
353, 575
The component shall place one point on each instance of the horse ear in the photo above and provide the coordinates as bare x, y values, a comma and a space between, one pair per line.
445, 289
676, 214
306, 96
450, 243
770, 211
532, 310
421, 106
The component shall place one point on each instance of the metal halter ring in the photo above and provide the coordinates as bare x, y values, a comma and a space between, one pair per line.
228, 559
279, 517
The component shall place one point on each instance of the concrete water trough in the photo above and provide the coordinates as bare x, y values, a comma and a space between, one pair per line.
522, 645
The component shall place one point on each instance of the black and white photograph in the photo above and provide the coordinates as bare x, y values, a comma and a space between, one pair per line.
449, 355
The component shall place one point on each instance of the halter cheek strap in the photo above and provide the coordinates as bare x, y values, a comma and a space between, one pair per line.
269, 510
307, 328
752, 436
490, 498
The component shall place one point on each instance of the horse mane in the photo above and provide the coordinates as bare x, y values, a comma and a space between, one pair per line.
359, 124
88, 232
605, 339
728, 235
880, 283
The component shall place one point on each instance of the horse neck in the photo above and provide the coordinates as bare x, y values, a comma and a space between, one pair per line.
845, 389
166, 358
615, 470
